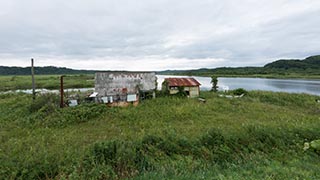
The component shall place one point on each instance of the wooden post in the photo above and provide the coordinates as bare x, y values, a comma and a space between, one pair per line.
61, 92
154, 94
33, 83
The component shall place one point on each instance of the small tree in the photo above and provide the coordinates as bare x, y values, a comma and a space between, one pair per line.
181, 92
214, 82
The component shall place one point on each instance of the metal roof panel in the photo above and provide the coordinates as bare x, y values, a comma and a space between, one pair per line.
182, 82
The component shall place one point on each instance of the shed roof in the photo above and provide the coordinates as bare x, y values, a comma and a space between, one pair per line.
182, 82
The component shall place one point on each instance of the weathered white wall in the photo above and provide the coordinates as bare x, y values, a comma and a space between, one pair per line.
194, 91
115, 83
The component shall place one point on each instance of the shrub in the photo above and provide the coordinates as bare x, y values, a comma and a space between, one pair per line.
73, 115
214, 82
49, 100
181, 92
240, 91
84, 112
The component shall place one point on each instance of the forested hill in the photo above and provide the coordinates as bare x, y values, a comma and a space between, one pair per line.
308, 66
4, 70
312, 62
291, 67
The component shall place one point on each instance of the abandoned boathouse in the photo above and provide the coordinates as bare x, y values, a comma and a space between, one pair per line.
123, 88
189, 85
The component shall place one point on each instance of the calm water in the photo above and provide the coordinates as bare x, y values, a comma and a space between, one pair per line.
278, 85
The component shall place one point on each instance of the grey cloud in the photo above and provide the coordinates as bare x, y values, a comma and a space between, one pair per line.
240, 34
291, 37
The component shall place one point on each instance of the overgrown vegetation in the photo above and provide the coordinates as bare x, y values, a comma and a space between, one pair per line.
258, 136
239, 91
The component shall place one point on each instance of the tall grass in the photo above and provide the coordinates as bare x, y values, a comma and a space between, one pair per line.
258, 136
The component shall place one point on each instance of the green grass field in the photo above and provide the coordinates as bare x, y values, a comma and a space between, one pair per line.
259, 136
46, 82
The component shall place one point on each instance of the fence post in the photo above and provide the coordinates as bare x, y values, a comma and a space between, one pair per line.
33, 83
61, 92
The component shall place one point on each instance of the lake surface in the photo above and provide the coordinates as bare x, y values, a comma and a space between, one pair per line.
277, 85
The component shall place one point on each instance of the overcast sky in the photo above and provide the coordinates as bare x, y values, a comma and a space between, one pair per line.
156, 34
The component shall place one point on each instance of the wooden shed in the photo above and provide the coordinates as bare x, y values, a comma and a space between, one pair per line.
190, 85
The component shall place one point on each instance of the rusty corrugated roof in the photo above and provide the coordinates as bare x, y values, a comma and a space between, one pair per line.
182, 82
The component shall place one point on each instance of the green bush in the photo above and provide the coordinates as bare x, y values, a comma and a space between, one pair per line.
49, 100
73, 115
239, 92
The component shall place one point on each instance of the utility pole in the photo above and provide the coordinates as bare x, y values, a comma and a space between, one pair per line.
33, 83
61, 92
